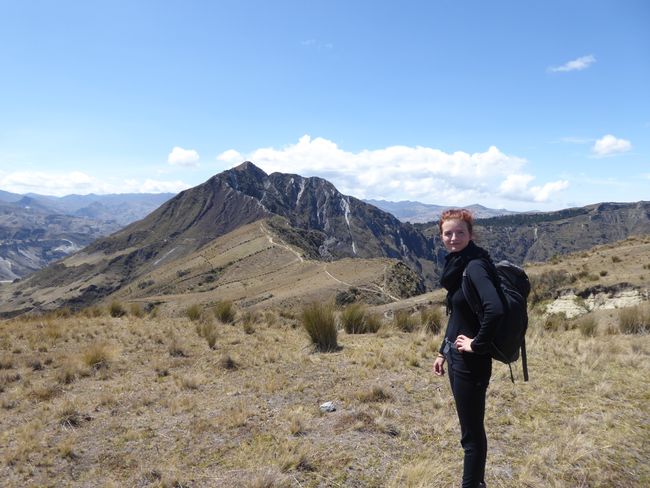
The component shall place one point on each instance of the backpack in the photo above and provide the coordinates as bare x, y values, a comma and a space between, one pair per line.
513, 287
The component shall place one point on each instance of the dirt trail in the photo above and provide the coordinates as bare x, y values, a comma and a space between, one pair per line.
283, 245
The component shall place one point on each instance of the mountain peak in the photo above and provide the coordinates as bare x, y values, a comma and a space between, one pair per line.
248, 167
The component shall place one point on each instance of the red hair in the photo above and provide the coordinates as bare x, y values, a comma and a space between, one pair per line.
457, 214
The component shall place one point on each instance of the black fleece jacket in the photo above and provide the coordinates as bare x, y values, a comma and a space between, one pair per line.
462, 320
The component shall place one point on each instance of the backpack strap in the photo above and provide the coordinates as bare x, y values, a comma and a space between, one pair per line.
524, 361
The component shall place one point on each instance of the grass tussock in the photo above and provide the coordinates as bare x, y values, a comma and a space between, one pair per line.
375, 394
193, 312
356, 319
404, 321
224, 311
136, 310
634, 320
431, 320
320, 323
116, 309
98, 356
208, 330
588, 326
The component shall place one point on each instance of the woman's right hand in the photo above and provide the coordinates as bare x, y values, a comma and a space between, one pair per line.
439, 366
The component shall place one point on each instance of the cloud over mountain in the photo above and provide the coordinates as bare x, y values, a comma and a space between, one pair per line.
421, 173
183, 157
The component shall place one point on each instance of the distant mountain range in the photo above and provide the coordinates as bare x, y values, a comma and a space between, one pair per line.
36, 230
220, 238
418, 213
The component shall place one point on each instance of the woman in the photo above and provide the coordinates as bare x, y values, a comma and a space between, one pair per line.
467, 339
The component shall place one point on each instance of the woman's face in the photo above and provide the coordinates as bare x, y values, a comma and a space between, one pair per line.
455, 235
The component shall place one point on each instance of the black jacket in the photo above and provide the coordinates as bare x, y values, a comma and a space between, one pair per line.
462, 320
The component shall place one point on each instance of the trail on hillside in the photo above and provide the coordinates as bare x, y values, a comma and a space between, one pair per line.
378, 288
270, 238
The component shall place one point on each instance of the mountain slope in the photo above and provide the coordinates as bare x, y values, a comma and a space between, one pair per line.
324, 223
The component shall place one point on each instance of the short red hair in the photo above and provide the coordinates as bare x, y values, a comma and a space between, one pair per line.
457, 214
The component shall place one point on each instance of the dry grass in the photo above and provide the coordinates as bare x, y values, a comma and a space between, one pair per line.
192, 419
320, 323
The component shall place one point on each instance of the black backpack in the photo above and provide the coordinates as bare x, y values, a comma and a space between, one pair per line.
513, 286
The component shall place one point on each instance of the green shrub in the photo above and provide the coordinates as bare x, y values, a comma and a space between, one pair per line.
616, 259
634, 320
116, 309
588, 326
319, 322
404, 321
431, 319
603, 272
225, 312
193, 312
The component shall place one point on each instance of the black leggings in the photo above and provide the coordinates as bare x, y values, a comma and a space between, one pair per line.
469, 378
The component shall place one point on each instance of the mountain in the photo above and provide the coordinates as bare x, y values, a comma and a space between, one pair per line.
253, 237
536, 237
417, 212
308, 213
36, 230
31, 237
122, 208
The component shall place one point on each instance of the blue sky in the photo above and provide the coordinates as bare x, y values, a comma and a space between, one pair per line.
522, 105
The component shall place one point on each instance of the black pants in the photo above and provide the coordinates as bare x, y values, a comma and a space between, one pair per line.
469, 376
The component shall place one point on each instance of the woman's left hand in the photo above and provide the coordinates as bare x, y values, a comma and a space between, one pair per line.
463, 343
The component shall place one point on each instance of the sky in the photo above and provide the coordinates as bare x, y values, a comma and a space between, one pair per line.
508, 104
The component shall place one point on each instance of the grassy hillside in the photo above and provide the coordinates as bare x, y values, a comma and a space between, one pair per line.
160, 399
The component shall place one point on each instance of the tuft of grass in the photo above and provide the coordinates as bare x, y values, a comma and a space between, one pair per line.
98, 356
227, 362
176, 348
69, 415
116, 309
431, 320
320, 323
588, 326
353, 318
208, 330
375, 394
634, 320
136, 310
404, 321
554, 322
92, 311
225, 312
193, 312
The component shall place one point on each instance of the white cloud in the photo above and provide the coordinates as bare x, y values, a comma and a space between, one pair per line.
230, 156
609, 144
76, 182
576, 65
405, 172
183, 157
